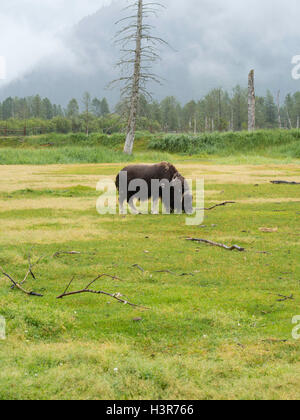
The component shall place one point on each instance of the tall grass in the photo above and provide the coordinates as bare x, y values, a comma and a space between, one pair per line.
101, 148
281, 142
72, 139
62, 155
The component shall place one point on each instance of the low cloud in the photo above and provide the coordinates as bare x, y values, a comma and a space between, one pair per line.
215, 43
32, 30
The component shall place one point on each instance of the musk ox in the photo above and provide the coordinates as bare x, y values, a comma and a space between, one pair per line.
159, 181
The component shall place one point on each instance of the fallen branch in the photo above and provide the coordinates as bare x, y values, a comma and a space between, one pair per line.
57, 254
285, 182
284, 298
274, 340
18, 286
30, 268
228, 248
219, 205
174, 274
139, 267
87, 289
166, 272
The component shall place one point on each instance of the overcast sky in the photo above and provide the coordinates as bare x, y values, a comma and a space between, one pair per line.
30, 29
217, 41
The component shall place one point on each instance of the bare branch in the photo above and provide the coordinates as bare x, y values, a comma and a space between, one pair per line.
116, 296
57, 254
285, 182
18, 286
30, 269
138, 46
219, 205
228, 248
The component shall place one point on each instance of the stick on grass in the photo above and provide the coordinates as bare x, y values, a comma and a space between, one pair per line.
228, 248
86, 289
18, 286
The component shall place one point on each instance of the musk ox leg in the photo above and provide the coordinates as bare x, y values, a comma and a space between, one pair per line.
122, 199
130, 201
134, 210
121, 206
155, 205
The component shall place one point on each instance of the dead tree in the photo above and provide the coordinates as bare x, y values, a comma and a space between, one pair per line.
251, 102
289, 118
87, 112
139, 50
278, 109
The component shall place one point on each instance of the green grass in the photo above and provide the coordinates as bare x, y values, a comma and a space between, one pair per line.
219, 332
277, 143
264, 146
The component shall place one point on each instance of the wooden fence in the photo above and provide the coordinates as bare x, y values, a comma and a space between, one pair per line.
25, 131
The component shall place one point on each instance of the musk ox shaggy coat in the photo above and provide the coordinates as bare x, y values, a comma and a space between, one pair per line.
163, 172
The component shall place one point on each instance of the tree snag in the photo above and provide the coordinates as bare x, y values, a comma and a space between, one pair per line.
251, 102
139, 51
278, 110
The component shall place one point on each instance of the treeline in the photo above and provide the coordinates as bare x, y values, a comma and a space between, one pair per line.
217, 111
35, 115
37, 107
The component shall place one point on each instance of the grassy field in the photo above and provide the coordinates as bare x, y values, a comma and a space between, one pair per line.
218, 332
262, 146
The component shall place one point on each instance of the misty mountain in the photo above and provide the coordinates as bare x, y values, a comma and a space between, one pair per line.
212, 45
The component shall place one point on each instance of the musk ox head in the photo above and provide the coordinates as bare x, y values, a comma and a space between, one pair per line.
181, 199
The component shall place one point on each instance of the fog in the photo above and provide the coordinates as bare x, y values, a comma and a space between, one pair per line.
214, 43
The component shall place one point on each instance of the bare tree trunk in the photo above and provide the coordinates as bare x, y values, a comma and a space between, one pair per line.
298, 122
206, 124
195, 125
251, 102
231, 121
87, 104
289, 119
219, 109
136, 83
212, 125
278, 109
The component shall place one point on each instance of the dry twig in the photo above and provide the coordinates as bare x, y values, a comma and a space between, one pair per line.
174, 274
285, 182
57, 254
139, 267
18, 286
228, 248
284, 298
217, 205
87, 289
220, 205
30, 268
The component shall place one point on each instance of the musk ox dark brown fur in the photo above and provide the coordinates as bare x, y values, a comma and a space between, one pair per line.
163, 181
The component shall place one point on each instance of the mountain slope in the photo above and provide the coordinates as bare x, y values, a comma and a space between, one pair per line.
212, 45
